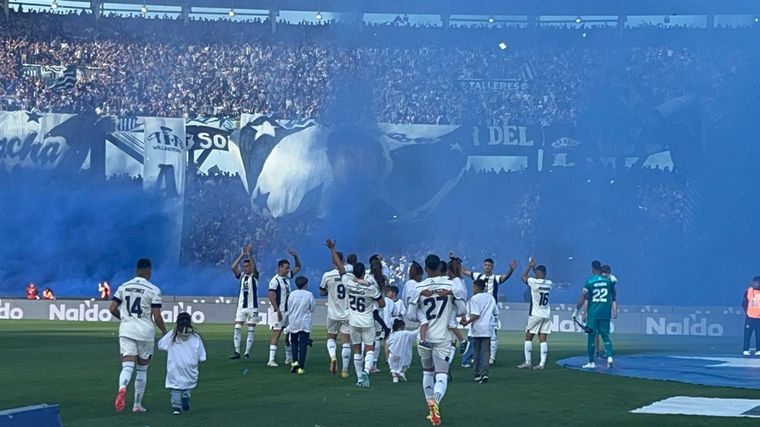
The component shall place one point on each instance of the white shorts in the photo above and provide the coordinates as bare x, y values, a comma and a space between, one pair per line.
247, 315
539, 325
364, 336
338, 327
437, 356
142, 349
274, 323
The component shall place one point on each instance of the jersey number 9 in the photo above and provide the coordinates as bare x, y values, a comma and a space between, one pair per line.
341, 291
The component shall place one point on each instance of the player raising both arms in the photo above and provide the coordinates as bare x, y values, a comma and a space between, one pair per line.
337, 318
363, 300
601, 299
137, 305
248, 303
279, 291
434, 304
539, 320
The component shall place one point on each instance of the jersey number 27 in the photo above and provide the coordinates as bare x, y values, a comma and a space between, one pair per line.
431, 304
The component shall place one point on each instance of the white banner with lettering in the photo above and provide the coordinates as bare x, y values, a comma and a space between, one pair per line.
165, 156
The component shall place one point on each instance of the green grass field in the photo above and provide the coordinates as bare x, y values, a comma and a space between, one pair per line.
76, 365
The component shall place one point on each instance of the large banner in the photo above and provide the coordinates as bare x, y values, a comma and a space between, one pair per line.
52, 142
165, 156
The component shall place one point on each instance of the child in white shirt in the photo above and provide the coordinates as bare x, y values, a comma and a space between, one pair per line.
400, 343
186, 351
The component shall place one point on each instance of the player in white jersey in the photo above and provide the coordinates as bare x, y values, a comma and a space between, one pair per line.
337, 318
416, 274
434, 304
363, 299
279, 290
137, 305
539, 320
248, 302
492, 286
454, 271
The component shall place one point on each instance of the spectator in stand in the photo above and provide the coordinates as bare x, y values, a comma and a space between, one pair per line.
104, 289
32, 292
48, 294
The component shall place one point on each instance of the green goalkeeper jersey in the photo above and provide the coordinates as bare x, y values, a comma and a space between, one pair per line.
600, 292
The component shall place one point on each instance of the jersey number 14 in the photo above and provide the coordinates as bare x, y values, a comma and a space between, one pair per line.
134, 308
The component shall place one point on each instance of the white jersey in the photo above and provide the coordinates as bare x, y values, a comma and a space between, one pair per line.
281, 288
399, 309
409, 291
362, 301
539, 292
248, 287
300, 307
185, 355
136, 298
460, 291
437, 310
337, 301
389, 312
482, 305
492, 283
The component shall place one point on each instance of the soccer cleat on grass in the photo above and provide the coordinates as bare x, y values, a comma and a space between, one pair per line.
235, 356
333, 366
434, 414
609, 362
524, 365
185, 402
121, 399
589, 365
175, 411
288, 360
491, 361
402, 375
466, 365
247, 356
746, 353
484, 379
538, 368
365, 379
344, 374
301, 371
138, 409
294, 367
272, 364
478, 378
395, 380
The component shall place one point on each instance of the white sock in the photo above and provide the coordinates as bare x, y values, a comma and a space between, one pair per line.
452, 353
441, 382
249, 340
494, 346
358, 365
377, 346
331, 348
288, 352
126, 373
544, 352
272, 352
236, 340
346, 355
428, 384
528, 348
141, 381
369, 360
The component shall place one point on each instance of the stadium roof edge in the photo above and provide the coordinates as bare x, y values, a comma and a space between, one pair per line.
484, 7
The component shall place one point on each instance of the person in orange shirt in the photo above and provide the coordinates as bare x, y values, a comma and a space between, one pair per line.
105, 290
32, 291
48, 294
751, 304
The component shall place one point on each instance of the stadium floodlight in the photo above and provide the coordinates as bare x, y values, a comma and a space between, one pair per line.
502, 46
584, 35
231, 13
491, 19
319, 16
144, 9
757, 20
578, 20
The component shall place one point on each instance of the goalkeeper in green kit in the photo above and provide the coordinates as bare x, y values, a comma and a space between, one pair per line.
601, 299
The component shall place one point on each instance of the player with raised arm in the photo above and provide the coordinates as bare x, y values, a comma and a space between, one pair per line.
363, 299
248, 302
601, 299
279, 290
434, 304
539, 320
492, 281
337, 318
137, 305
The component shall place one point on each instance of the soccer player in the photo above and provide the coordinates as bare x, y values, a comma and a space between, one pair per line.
279, 290
492, 287
601, 299
137, 305
363, 300
606, 272
415, 277
539, 320
301, 306
248, 303
434, 304
454, 271
482, 309
337, 318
